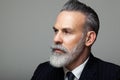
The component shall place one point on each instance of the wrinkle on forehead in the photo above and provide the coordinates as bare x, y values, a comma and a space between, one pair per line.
70, 19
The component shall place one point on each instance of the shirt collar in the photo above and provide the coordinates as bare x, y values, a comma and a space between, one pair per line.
78, 70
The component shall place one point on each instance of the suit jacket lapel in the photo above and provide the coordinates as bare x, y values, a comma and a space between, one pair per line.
55, 74
58, 74
90, 69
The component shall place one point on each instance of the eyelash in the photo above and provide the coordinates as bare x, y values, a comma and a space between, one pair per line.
64, 31
55, 30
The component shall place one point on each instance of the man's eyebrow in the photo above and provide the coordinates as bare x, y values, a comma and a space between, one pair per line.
63, 29
68, 29
54, 28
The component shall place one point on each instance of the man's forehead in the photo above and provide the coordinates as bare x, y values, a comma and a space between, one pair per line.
70, 19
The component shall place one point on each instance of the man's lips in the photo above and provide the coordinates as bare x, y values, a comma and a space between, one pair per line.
58, 50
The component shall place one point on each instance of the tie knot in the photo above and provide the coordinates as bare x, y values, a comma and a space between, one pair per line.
70, 76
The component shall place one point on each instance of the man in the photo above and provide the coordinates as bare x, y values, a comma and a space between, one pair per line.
76, 30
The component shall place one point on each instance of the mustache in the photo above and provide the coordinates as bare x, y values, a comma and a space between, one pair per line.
59, 47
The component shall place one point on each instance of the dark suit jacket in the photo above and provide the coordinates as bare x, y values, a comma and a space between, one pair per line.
95, 69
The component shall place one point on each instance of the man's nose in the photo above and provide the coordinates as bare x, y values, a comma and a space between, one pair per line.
58, 38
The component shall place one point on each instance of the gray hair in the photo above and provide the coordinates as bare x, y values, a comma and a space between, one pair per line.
92, 20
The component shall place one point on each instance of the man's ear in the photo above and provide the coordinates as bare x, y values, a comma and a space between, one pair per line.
90, 38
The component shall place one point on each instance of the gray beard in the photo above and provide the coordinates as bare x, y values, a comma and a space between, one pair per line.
61, 60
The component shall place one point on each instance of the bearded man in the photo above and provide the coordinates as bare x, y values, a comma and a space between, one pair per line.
76, 29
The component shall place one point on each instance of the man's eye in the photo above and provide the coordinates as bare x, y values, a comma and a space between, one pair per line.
55, 31
66, 32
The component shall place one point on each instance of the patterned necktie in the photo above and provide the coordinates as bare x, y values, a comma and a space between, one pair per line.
70, 76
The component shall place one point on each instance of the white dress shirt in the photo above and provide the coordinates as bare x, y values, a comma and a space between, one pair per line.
77, 71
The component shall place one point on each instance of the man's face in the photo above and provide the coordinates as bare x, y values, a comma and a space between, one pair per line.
68, 33
68, 29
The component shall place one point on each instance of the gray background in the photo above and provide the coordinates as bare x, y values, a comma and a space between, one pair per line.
26, 34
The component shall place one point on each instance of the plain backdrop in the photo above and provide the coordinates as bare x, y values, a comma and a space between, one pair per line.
26, 34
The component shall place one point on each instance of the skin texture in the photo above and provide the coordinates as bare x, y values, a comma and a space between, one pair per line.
68, 32
68, 29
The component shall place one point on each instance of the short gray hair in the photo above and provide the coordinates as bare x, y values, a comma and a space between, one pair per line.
92, 20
